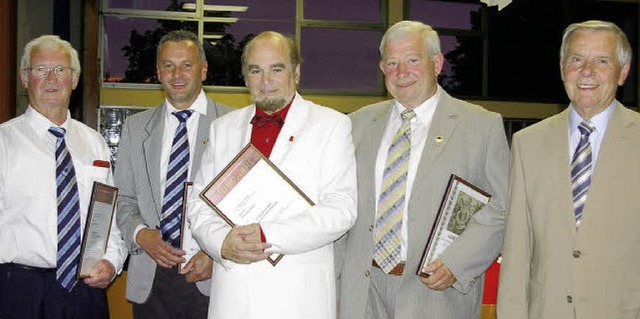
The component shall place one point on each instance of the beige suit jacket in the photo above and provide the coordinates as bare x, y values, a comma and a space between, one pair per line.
550, 269
473, 146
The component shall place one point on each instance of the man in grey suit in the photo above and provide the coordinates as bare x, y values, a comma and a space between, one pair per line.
159, 150
443, 136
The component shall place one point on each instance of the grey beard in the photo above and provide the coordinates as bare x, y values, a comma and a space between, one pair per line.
270, 105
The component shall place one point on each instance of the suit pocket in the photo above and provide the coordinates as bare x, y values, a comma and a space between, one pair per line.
630, 305
631, 300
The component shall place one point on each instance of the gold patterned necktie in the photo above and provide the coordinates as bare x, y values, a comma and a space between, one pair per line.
391, 203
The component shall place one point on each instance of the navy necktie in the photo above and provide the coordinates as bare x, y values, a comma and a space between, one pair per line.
68, 253
177, 172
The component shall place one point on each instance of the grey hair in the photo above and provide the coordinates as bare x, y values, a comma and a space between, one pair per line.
49, 42
403, 29
623, 47
294, 53
182, 35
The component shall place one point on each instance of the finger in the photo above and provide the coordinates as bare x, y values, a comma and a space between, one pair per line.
248, 229
258, 246
187, 268
254, 256
172, 255
191, 277
433, 280
434, 265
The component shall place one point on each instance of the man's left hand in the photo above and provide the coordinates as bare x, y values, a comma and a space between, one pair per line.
199, 267
441, 277
101, 274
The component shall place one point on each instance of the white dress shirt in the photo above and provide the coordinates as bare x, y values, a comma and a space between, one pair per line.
28, 196
171, 122
599, 121
419, 130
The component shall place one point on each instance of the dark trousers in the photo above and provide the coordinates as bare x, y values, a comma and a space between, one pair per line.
34, 293
172, 297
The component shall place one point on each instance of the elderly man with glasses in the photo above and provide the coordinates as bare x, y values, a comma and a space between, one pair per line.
48, 164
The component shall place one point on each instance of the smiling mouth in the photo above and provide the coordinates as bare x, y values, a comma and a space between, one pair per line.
178, 85
587, 86
404, 85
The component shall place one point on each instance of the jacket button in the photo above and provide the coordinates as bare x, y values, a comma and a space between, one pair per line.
370, 227
576, 253
569, 299
367, 273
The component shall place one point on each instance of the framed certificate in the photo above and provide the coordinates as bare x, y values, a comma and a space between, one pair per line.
459, 203
252, 189
97, 227
183, 222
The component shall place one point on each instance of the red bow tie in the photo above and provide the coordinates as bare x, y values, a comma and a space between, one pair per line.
262, 120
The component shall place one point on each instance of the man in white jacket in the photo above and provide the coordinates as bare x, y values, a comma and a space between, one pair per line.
312, 146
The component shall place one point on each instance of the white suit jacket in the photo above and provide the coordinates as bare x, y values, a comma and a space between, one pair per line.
315, 150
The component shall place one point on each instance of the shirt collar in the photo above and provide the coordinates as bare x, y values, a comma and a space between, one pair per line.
198, 106
424, 111
41, 124
599, 120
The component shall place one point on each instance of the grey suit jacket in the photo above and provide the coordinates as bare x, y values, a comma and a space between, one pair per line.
472, 145
550, 269
137, 177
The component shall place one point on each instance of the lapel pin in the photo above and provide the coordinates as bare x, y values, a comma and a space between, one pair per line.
205, 141
439, 139
291, 138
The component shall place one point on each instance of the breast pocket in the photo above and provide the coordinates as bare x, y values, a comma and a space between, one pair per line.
631, 302
85, 177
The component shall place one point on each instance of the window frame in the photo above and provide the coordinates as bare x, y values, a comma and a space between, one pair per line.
198, 16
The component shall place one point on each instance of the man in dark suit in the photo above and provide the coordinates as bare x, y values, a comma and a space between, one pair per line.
443, 136
571, 236
159, 150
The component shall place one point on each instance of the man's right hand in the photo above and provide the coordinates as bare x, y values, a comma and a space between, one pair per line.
164, 254
243, 245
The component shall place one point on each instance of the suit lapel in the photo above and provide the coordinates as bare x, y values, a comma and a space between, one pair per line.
367, 154
615, 142
292, 128
444, 122
237, 135
152, 146
202, 137
559, 172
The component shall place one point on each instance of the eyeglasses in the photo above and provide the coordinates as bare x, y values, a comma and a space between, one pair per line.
42, 71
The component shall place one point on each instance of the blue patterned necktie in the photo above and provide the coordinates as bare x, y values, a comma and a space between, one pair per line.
387, 236
581, 170
177, 172
68, 253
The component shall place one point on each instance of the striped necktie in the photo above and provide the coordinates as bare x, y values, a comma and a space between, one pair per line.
581, 170
392, 197
67, 256
177, 172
